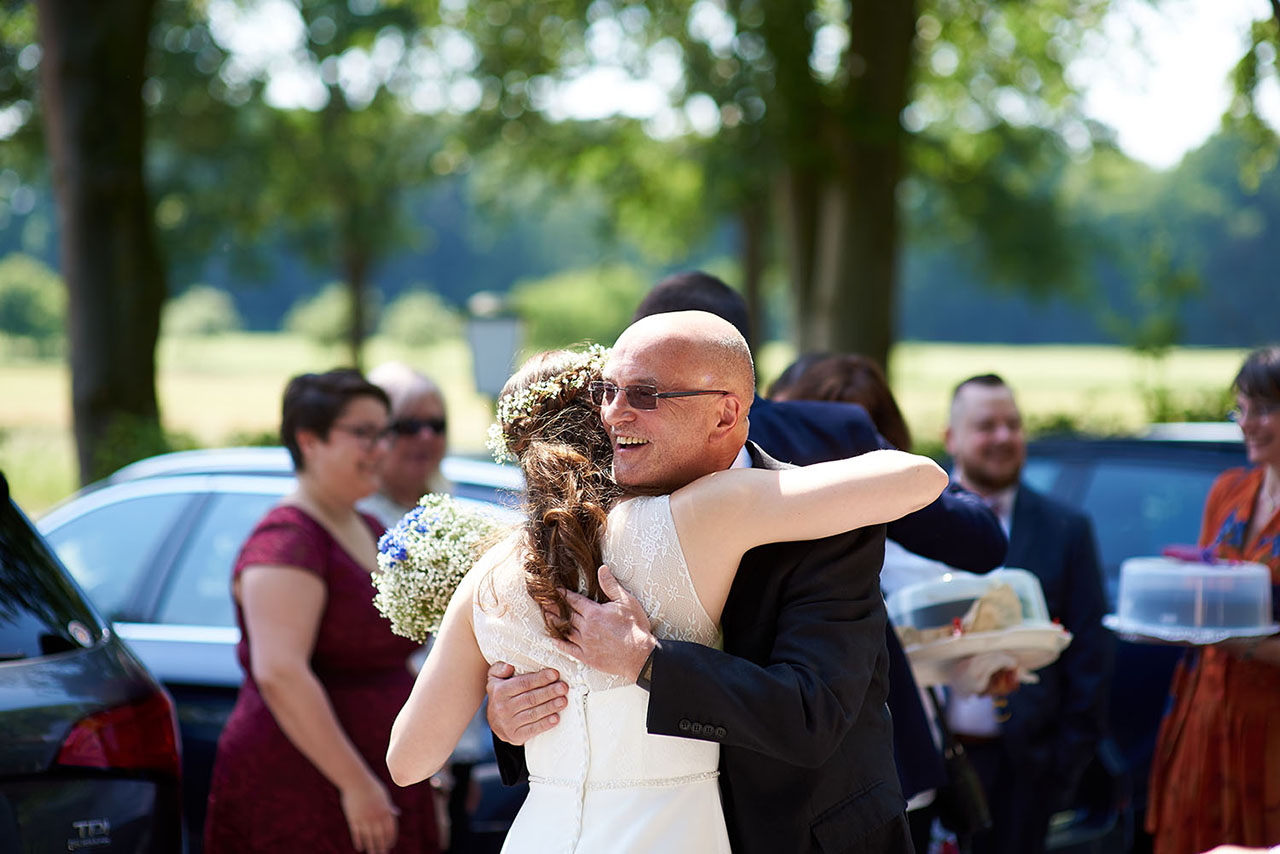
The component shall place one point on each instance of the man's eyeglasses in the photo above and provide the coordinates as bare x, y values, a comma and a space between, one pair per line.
413, 426
366, 434
1260, 407
639, 396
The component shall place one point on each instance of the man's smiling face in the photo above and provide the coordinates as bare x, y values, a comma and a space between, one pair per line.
662, 449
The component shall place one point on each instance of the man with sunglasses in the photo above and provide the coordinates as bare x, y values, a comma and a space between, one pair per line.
411, 466
797, 696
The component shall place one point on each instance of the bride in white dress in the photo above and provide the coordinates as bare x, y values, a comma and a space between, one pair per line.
598, 781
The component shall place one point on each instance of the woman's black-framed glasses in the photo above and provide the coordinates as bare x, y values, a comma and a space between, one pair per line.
367, 435
639, 396
1260, 407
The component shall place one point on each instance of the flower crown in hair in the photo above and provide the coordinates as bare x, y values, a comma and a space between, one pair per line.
519, 404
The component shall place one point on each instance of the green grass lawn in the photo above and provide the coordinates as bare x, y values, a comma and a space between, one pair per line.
218, 389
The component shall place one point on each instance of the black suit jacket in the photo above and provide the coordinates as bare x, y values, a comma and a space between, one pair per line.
956, 529
796, 699
1055, 725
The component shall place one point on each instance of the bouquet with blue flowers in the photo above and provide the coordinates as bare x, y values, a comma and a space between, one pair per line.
423, 558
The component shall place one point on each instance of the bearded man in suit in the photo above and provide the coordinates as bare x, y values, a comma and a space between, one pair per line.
1031, 754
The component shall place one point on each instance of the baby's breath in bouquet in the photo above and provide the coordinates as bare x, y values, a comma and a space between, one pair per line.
423, 557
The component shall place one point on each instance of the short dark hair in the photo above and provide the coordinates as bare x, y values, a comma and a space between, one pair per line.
848, 378
984, 380
314, 401
696, 291
1260, 374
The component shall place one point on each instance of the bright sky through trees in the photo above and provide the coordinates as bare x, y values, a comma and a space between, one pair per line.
1159, 73
1156, 74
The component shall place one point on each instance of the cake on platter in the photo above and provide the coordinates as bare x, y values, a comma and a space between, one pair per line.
1173, 600
960, 615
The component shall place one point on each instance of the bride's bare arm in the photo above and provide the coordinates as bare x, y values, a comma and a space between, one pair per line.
445, 696
720, 516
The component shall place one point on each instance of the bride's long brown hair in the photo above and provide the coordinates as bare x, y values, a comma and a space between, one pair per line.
549, 424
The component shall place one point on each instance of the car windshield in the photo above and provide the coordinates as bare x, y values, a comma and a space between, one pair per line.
109, 548
199, 592
41, 612
1139, 508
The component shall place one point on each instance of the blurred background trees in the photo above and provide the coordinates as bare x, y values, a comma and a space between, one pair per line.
864, 171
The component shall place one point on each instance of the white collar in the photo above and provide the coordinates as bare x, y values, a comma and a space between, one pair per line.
743, 460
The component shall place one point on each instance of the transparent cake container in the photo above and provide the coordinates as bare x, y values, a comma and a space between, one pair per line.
934, 604
1192, 602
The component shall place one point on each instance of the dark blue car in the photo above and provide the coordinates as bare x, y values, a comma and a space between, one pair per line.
89, 751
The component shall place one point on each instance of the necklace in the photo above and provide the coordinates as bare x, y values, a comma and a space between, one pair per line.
1267, 502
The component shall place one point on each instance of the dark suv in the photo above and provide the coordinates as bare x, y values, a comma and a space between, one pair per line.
89, 757
1142, 494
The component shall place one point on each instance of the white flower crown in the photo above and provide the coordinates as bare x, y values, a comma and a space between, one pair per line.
524, 402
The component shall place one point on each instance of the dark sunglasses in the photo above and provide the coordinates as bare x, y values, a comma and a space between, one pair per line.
413, 426
638, 396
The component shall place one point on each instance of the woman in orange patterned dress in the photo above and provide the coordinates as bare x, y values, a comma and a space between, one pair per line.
1216, 774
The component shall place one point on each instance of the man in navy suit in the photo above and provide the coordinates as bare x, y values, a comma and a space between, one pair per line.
956, 529
1030, 755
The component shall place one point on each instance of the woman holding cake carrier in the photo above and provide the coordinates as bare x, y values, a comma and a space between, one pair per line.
1216, 774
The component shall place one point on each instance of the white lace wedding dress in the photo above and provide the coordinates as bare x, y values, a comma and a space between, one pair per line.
598, 781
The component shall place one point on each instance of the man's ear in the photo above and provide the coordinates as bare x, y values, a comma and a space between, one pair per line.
729, 414
946, 440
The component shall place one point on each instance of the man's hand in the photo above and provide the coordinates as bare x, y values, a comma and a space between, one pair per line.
521, 707
990, 674
1002, 683
614, 637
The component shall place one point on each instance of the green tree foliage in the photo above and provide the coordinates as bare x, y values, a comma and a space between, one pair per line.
326, 317
419, 317
201, 310
1261, 61
33, 303
799, 108
593, 304
235, 166
20, 129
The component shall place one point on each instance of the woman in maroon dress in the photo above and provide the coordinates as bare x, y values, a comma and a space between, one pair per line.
301, 763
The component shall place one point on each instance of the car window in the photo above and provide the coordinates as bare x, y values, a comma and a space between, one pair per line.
108, 548
199, 593
1138, 509
1041, 474
41, 612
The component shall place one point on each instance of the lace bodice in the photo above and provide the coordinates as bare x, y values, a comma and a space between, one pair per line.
644, 553
599, 782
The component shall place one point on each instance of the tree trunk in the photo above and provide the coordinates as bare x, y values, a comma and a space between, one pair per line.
799, 196
355, 268
753, 224
858, 252
800, 112
91, 74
